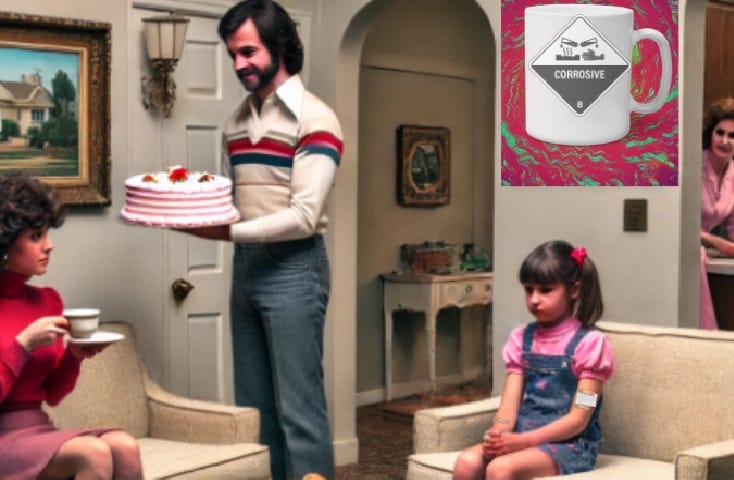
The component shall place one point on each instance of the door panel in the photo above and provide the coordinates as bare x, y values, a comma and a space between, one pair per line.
718, 64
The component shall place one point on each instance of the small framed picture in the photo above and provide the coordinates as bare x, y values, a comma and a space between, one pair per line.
423, 165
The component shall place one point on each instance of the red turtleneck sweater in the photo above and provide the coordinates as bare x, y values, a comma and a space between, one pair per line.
47, 373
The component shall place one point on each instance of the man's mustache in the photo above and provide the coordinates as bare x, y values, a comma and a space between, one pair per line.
243, 72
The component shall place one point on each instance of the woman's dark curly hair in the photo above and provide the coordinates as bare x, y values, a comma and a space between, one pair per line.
276, 28
722, 109
26, 203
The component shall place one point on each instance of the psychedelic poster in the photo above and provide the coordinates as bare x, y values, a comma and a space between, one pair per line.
585, 101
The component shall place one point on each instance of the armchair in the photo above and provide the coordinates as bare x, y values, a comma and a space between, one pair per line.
179, 438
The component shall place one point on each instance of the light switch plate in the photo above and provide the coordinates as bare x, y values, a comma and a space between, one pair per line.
635, 215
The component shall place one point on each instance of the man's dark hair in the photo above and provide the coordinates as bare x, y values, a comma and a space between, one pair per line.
276, 28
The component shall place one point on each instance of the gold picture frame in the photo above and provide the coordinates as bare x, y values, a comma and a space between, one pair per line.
423, 165
55, 104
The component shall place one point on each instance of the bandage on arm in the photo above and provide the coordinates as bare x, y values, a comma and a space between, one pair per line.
585, 399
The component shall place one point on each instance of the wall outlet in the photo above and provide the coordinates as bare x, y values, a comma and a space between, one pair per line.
635, 215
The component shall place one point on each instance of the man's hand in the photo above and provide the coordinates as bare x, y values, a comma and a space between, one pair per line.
215, 232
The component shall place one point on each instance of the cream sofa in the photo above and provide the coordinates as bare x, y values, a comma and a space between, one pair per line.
179, 438
668, 411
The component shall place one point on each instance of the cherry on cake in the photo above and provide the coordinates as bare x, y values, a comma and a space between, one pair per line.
178, 198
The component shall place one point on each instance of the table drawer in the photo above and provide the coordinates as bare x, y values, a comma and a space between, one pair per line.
465, 293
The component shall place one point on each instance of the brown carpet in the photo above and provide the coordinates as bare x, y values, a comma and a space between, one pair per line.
385, 433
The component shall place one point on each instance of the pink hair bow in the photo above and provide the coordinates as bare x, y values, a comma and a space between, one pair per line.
578, 254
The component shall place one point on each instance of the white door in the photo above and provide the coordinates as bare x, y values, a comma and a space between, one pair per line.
199, 332
196, 330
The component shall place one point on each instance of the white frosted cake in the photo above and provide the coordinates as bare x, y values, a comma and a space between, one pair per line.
178, 198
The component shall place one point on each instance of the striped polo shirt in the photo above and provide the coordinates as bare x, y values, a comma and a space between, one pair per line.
282, 161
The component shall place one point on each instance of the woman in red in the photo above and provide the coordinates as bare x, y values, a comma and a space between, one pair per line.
35, 366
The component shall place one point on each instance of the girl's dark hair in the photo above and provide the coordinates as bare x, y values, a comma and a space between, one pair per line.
551, 263
276, 28
722, 109
26, 203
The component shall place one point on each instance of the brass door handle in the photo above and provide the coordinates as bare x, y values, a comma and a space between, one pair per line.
181, 289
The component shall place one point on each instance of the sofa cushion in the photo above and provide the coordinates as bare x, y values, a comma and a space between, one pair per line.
164, 459
438, 466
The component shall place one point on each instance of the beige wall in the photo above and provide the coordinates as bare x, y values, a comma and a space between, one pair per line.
647, 278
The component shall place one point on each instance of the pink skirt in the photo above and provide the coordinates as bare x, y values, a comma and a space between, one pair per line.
28, 441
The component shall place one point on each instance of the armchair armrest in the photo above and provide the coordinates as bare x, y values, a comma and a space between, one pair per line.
449, 429
706, 462
186, 420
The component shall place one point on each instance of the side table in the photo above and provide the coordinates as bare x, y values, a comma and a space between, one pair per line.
429, 293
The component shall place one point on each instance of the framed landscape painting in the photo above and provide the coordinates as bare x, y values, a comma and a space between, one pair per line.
55, 104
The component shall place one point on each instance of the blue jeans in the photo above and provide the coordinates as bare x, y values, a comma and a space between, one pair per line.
279, 297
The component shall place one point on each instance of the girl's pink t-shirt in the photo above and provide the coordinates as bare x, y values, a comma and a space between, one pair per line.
593, 357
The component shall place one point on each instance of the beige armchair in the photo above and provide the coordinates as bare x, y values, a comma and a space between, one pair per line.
667, 412
179, 438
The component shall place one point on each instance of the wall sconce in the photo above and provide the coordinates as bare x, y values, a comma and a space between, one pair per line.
164, 38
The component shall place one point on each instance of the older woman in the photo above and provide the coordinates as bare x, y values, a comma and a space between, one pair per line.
35, 365
717, 193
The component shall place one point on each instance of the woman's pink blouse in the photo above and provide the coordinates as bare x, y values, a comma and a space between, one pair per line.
717, 204
593, 357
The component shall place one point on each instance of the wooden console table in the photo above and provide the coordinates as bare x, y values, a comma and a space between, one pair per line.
429, 293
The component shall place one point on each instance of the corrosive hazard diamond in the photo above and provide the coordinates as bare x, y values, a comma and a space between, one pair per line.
579, 64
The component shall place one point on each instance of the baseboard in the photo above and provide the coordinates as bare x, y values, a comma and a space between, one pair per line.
406, 389
346, 451
370, 397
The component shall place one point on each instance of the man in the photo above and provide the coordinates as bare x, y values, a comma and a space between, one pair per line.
281, 148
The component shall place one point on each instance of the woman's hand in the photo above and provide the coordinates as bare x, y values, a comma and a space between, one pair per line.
43, 332
81, 351
723, 245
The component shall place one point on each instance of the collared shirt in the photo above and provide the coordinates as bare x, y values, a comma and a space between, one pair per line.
282, 160
717, 202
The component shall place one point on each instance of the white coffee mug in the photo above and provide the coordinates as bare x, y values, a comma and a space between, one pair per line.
578, 73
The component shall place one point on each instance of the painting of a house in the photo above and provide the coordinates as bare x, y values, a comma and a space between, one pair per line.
39, 121
26, 102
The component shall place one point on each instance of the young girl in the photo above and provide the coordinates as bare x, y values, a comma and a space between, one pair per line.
547, 422
35, 366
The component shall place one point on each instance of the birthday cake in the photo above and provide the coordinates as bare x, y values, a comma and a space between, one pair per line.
178, 198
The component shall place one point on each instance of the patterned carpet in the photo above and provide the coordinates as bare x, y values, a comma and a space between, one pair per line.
385, 433
385, 441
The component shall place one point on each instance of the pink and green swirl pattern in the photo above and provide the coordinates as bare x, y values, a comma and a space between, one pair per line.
646, 156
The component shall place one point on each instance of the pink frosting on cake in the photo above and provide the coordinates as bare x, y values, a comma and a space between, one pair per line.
201, 199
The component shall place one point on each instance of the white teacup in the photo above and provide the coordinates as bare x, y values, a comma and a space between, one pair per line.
83, 322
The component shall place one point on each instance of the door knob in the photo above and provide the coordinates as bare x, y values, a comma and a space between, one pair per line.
181, 289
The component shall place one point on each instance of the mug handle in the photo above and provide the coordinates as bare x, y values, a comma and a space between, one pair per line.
667, 70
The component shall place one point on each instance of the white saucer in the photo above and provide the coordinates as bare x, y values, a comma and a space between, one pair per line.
98, 337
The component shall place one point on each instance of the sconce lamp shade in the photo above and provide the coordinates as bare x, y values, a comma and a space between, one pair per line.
165, 36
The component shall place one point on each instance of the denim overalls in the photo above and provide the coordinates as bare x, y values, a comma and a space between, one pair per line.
550, 388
